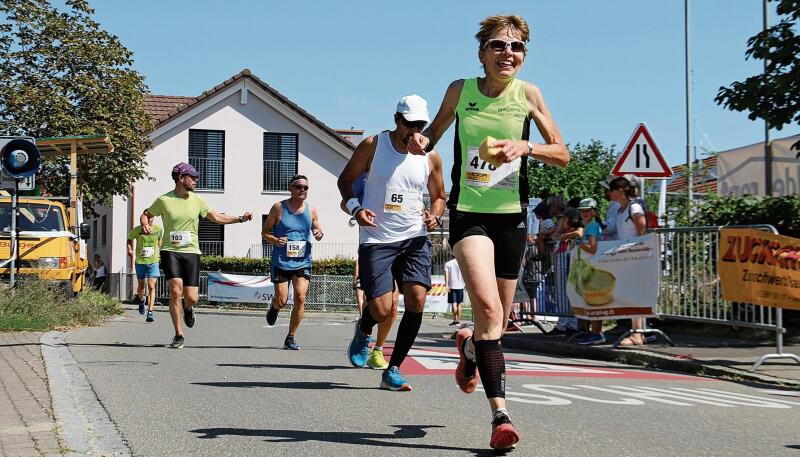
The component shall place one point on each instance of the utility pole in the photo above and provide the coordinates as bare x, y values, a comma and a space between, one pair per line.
689, 177
767, 139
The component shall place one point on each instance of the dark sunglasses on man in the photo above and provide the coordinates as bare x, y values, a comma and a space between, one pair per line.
498, 45
300, 187
419, 125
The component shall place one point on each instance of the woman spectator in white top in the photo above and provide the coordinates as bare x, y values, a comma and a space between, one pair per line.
630, 223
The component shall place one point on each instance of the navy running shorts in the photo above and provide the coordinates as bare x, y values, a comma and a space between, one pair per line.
381, 264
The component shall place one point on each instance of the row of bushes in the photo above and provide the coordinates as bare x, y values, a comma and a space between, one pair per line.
335, 266
782, 212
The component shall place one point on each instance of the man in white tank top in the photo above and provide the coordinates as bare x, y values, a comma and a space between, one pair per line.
393, 230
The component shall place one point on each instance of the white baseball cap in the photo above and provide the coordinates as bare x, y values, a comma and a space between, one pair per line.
413, 108
587, 203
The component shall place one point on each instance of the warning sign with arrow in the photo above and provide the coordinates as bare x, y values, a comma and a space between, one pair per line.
641, 157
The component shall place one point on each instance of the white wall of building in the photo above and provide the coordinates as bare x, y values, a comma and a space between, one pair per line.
244, 125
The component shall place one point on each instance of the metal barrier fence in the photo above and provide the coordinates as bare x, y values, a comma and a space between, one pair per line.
440, 252
689, 281
325, 292
690, 286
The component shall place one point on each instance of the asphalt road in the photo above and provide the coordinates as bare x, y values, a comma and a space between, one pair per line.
233, 390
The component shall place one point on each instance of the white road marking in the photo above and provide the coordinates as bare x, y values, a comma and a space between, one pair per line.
443, 361
551, 395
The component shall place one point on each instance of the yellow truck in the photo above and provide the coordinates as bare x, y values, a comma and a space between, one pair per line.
52, 235
47, 247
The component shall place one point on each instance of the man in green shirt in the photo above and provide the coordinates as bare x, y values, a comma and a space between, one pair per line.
147, 247
180, 210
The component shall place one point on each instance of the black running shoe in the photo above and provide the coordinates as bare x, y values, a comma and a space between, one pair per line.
272, 316
188, 317
177, 342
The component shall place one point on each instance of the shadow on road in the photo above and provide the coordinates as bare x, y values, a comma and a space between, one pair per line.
287, 366
358, 438
286, 385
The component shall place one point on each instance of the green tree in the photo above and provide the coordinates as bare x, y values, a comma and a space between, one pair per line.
774, 95
589, 164
61, 74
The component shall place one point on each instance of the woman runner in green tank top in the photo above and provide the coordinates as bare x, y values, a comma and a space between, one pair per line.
488, 204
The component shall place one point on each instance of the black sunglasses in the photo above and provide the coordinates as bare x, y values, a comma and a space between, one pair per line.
299, 187
419, 125
498, 45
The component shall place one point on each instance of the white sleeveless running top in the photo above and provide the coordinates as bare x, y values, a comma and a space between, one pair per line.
393, 191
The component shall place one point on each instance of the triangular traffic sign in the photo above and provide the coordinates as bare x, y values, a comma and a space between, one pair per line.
641, 157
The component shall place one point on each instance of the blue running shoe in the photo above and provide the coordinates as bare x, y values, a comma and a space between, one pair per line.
141, 306
359, 348
393, 380
149, 316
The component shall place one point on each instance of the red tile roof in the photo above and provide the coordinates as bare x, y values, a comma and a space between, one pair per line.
162, 108
705, 178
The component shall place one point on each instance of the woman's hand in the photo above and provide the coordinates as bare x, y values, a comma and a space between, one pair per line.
417, 144
510, 150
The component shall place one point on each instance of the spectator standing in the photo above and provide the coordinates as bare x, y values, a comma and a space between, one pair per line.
455, 288
592, 233
630, 223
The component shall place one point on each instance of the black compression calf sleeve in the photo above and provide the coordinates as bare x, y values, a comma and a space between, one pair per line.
367, 322
406, 334
492, 367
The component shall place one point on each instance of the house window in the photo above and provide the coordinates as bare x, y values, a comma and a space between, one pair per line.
211, 237
280, 160
105, 229
207, 156
94, 235
266, 248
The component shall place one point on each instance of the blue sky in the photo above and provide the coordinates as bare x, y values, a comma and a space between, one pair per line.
603, 66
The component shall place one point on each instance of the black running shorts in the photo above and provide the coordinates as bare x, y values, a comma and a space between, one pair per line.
508, 232
279, 276
181, 265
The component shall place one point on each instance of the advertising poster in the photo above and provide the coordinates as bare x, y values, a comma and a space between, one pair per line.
759, 267
223, 287
619, 281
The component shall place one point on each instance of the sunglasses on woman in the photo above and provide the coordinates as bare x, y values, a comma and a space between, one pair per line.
498, 45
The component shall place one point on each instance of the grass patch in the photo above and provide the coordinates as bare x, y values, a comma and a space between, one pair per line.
38, 306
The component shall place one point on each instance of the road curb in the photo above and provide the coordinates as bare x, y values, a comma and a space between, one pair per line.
84, 423
641, 358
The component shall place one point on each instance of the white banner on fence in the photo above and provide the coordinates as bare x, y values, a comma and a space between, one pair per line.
619, 281
436, 301
225, 287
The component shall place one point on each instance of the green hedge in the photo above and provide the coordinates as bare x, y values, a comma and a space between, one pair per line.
782, 212
335, 266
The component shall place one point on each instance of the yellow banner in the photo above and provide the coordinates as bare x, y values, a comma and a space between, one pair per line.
758, 267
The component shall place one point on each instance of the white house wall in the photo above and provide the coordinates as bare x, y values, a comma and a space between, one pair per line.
244, 126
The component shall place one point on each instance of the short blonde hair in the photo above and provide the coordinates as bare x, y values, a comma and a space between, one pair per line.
492, 23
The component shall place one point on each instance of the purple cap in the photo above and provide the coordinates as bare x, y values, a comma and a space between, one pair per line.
184, 168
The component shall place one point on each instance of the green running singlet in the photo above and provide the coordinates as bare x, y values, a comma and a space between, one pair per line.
479, 187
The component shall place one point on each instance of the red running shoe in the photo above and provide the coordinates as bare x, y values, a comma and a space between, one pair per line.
504, 435
466, 372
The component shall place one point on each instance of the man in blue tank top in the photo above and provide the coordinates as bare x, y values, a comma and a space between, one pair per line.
289, 227
393, 225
